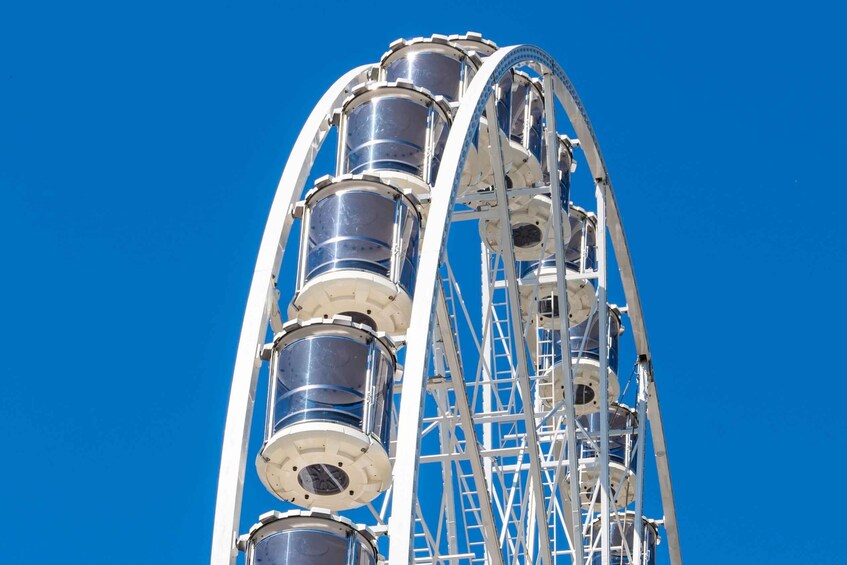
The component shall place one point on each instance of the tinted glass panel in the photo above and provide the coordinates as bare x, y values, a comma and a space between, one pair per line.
504, 103
409, 247
381, 409
321, 378
439, 74
619, 419
536, 124
520, 93
585, 339
355, 229
351, 230
584, 342
440, 130
301, 547
324, 378
386, 134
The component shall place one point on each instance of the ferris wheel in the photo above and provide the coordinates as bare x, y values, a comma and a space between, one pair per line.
449, 382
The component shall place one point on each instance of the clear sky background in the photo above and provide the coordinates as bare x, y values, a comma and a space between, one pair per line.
140, 146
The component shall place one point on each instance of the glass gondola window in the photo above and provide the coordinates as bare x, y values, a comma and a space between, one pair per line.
581, 254
304, 539
621, 540
394, 133
536, 127
355, 229
527, 114
584, 343
585, 338
503, 96
328, 378
580, 251
436, 72
565, 160
622, 434
304, 547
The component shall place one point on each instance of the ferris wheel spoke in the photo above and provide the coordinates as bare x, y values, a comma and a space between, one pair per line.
451, 353
507, 512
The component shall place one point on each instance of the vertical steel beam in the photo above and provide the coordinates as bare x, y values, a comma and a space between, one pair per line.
573, 500
603, 312
485, 352
521, 366
641, 410
446, 435
451, 353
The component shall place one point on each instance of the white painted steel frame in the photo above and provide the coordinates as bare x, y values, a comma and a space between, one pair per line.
434, 240
471, 443
262, 305
524, 385
573, 499
603, 313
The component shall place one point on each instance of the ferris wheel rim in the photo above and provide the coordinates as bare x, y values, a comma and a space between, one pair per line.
262, 309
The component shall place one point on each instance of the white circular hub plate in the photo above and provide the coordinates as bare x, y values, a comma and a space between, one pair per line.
586, 374
362, 459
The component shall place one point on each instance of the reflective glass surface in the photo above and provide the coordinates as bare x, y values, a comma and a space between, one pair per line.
409, 246
504, 103
619, 544
536, 125
354, 229
440, 74
573, 251
565, 176
325, 377
311, 547
323, 479
527, 105
520, 94
584, 341
619, 419
390, 133
581, 228
564, 166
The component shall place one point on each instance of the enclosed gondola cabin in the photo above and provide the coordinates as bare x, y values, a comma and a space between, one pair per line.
539, 279
396, 131
623, 423
622, 536
533, 236
584, 346
441, 68
359, 252
313, 537
329, 413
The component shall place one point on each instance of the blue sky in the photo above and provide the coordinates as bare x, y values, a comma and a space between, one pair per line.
140, 145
